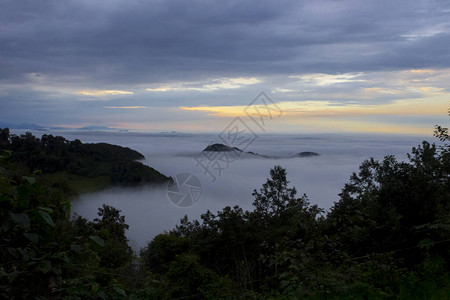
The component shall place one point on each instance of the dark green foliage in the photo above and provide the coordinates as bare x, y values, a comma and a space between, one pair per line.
382, 205
4, 138
186, 276
442, 132
111, 228
134, 173
52, 154
162, 251
45, 254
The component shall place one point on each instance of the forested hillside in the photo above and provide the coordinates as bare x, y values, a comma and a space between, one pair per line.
77, 165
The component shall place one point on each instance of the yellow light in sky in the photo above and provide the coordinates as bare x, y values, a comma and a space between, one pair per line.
423, 71
420, 106
345, 116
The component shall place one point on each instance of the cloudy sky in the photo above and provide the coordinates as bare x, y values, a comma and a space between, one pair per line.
329, 66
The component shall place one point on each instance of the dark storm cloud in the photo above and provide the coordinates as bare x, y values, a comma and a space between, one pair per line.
111, 42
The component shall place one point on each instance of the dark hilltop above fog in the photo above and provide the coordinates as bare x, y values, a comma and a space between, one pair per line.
224, 148
221, 148
306, 154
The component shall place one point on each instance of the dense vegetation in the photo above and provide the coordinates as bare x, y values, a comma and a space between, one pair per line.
387, 237
44, 253
73, 163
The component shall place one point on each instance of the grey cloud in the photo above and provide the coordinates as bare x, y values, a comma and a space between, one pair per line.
168, 40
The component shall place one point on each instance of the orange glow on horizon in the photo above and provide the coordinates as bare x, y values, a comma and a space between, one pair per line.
345, 117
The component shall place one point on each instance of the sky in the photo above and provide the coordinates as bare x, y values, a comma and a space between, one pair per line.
323, 66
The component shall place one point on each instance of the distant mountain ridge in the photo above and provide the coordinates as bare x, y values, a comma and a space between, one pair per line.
33, 126
224, 148
96, 128
21, 126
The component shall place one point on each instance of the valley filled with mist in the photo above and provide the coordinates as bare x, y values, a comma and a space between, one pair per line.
148, 211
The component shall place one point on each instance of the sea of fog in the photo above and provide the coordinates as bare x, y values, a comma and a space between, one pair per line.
148, 210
